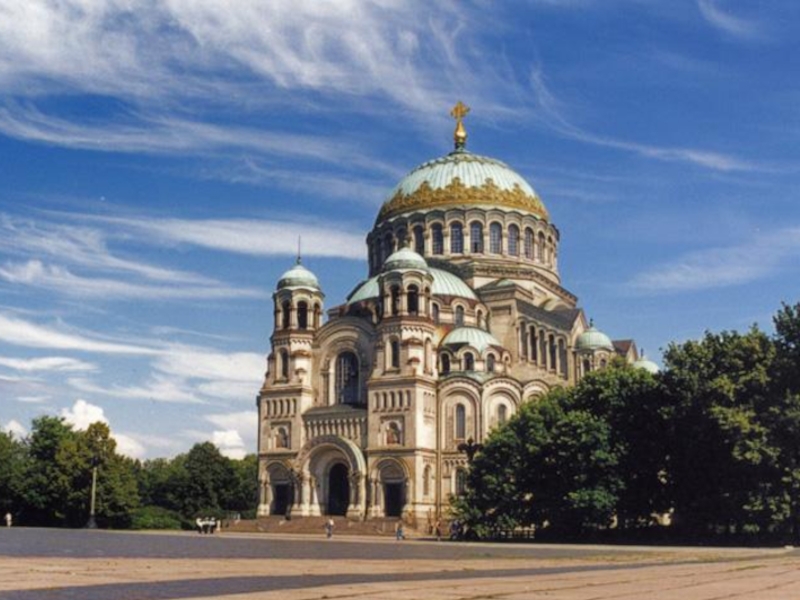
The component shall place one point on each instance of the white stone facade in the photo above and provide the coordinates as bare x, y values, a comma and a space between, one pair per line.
462, 319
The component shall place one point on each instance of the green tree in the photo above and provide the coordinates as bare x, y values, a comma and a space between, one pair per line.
13, 459
721, 455
47, 485
210, 477
550, 466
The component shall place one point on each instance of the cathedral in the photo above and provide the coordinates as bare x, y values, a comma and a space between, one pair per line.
375, 411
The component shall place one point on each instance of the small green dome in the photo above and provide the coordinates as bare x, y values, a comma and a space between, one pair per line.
470, 336
298, 277
444, 284
593, 339
405, 258
647, 365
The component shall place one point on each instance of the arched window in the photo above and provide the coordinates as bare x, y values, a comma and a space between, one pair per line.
393, 434
528, 243
502, 414
437, 239
394, 352
395, 306
476, 237
435, 313
469, 361
282, 438
490, 363
553, 348
461, 422
445, 364
347, 378
284, 366
388, 245
587, 366
496, 238
302, 315
426, 481
513, 240
540, 247
419, 240
401, 238
459, 318
479, 318
456, 238
286, 315
461, 481
412, 300
428, 356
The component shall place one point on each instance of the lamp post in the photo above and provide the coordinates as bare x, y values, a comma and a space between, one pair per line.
470, 448
91, 523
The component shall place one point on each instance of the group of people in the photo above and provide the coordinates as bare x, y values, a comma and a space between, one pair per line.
206, 524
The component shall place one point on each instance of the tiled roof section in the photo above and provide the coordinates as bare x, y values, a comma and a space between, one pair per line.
561, 318
444, 284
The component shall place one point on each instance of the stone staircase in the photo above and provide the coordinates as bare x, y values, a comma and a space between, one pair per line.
379, 527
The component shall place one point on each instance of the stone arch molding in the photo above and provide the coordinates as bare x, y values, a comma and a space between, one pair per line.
354, 456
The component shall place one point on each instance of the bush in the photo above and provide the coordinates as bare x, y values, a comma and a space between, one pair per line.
155, 517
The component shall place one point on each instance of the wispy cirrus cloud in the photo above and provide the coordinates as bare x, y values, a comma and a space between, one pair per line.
553, 115
718, 17
19, 332
53, 277
249, 236
763, 256
46, 363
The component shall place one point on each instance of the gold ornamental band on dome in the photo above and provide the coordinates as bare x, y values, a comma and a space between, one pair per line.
456, 194
458, 112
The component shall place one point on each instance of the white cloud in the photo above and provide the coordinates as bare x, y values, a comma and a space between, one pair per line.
15, 428
230, 443
129, 446
19, 332
37, 274
762, 257
86, 247
250, 236
48, 363
721, 19
157, 389
553, 116
82, 414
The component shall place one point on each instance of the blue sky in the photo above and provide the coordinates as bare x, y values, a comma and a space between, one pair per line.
158, 161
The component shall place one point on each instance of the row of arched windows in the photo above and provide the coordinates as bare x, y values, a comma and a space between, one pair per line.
467, 363
508, 240
306, 316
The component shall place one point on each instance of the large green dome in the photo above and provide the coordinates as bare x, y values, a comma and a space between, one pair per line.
462, 179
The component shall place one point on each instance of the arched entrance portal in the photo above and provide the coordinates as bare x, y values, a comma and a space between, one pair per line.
393, 480
338, 489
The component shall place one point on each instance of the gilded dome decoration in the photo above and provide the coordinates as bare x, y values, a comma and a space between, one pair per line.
462, 179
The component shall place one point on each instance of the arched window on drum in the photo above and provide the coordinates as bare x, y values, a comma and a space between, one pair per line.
347, 391
437, 239
419, 240
476, 238
456, 238
513, 240
496, 238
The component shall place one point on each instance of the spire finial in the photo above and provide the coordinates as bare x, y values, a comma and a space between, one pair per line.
458, 112
299, 254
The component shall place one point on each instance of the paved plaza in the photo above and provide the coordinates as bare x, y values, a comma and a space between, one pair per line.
48, 564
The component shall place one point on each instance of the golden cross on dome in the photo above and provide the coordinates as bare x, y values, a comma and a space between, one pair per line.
458, 112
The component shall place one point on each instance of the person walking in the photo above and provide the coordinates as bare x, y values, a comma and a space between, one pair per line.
399, 534
9, 519
329, 525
